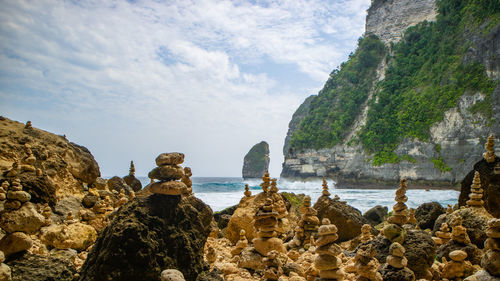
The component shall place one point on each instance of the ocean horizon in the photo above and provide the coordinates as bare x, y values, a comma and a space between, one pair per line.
223, 192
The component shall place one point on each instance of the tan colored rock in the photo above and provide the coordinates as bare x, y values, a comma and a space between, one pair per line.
366, 234
77, 236
247, 192
25, 219
366, 265
171, 275
15, 242
325, 191
400, 211
168, 187
457, 268
167, 173
240, 245
489, 155
265, 221
491, 259
173, 158
273, 266
476, 194
266, 182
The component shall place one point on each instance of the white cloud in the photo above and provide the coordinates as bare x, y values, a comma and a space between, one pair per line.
132, 80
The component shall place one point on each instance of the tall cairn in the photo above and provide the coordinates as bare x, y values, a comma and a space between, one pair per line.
266, 182
309, 221
168, 173
489, 155
325, 191
327, 261
476, 194
394, 231
491, 260
265, 222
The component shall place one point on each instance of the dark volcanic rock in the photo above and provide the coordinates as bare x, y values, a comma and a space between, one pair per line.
376, 215
256, 162
213, 275
133, 182
490, 183
222, 218
117, 183
39, 268
390, 273
148, 235
474, 255
427, 213
420, 250
347, 218
41, 189
474, 220
89, 200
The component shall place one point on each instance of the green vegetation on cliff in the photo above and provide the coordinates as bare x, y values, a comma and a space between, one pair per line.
338, 103
426, 75
256, 162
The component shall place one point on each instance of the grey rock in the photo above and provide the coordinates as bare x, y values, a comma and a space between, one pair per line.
39, 268
376, 214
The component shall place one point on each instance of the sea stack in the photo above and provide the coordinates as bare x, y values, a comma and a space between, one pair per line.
256, 161
168, 173
327, 261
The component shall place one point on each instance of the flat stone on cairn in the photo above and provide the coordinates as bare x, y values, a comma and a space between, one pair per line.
266, 182
366, 234
168, 173
247, 192
265, 221
327, 261
476, 193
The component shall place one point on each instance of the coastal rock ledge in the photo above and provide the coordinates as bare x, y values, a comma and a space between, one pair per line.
149, 235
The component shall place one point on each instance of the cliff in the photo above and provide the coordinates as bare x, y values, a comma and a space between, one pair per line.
256, 161
49, 166
427, 111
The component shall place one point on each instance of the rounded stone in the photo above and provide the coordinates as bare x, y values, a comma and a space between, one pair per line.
2, 257
337, 274
331, 249
264, 245
15, 242
167, 173
327, 229
171, 275
173, 158
494, 223
491, 262
326, 239
327, 262
397, 262
22, 196
492, 243
168, 187
458, 255
397, 250
493, 232
89, 200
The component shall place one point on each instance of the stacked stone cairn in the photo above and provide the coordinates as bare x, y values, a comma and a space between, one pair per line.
325, 191
273, 265
168, 172
3, 190
247, 192
443, 235
265, 222
309, 221
279, 204
5, 272
266, 182
186, 179
459, 232
491, 260
476, 194
241, 244
327, 261
395, 267
394, 230
366, 233
16, 196
411, 217
489, 155
46, 213
458, 268
366, 265
449, 210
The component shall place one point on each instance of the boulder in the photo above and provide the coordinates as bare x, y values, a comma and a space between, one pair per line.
256, 161
250, 259
390, 273
376, 215
474, 255
89, 200
16, 242
77, 236
116, 183
148, 235
420, 250
474, 219
222, 217
40, 268
347, 218
68, 204
133, 182
427, 214
5, 272
490, 183
25, 219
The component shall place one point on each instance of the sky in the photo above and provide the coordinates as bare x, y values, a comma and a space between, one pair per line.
132, 79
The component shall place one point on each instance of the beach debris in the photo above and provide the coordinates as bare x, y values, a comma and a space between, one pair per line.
327, 261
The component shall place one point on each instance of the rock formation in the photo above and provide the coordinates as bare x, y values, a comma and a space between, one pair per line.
5, 272
168, 172
131, 180
394, 231
186, 179
443, 235
325, 191
411, 217
427, 213
256, 161
266, 220
458, 268
309, 222
148, 235
459, 241
366, 265
491, 260
476, 194
327, 261
247, 192
395, 267
273, 265
489, 155
376, 215
240, 245
366, 234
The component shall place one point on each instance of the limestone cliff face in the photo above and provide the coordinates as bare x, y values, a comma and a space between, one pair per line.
256, 162
389, 18
458, 140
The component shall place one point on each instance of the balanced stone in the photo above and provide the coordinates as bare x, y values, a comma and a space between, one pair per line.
327, 262
326, 239
173, 158
167, 173
22, 196
458, 255
168, 187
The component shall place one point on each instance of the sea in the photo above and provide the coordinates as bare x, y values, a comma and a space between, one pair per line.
220, 193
